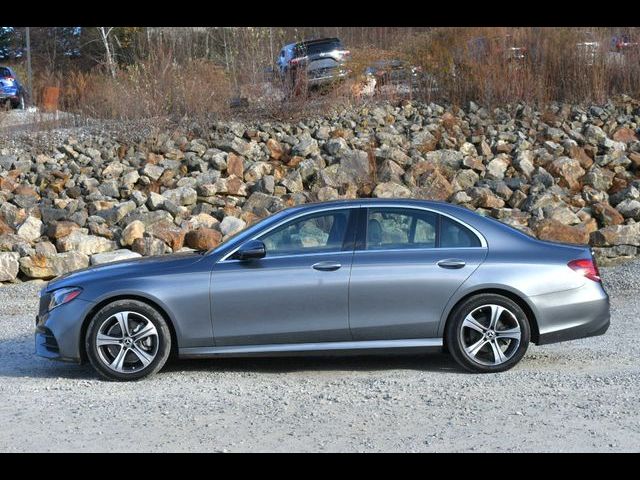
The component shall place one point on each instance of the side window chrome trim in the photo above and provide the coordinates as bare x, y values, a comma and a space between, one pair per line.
422, 249
284, 222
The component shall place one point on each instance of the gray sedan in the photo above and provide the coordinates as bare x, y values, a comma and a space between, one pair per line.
355, 276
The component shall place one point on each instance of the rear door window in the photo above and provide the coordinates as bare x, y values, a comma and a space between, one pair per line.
392, 228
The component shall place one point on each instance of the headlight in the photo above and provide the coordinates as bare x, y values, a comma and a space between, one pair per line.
62, 296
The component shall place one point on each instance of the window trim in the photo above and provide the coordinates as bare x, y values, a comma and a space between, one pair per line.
363, 225
351, 230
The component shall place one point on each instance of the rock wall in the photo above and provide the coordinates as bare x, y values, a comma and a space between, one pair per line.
570, 174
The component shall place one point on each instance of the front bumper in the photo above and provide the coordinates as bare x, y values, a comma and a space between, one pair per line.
572, 314
58, 333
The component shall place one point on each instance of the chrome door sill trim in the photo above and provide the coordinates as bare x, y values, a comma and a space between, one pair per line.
321, 347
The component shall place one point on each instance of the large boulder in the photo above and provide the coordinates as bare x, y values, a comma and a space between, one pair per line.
606, 214
231, 225
391, 190
80, 241
617, 235
31, 229
548, 229
131, 232
49, 266
116, 255
181, 195
9, 266
569, 171
433, 186
203, 238
149, 246
168, 232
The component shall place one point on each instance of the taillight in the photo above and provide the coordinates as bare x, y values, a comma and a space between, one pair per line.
587, 268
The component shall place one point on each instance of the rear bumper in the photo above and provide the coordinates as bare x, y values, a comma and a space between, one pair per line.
591, 329
572, 314
325, 79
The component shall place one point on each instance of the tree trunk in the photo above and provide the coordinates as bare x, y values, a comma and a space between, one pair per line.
104, 35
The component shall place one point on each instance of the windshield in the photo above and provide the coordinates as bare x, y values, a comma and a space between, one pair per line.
318, 47
249, 231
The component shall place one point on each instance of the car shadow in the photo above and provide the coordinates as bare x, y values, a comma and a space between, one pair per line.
19, 360
433, 362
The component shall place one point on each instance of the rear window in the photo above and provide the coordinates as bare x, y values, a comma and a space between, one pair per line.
454, 235
318, 47
5, 72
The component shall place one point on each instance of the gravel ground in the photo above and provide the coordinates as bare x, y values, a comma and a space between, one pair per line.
577, 396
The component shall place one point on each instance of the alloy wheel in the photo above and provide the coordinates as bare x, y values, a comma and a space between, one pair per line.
127, 342
490, 335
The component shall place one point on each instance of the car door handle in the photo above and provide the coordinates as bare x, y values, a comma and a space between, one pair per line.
451, 263
326, 266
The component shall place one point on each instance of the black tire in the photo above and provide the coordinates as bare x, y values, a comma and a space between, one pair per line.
511, 323
139, 315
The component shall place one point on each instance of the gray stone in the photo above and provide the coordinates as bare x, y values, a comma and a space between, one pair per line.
153, 171
306, 147
79, 241
31, 229
9, 266
391, 190
337, 146
496, 168
231, 225
116, 255
181, 195
40, 266
629, 209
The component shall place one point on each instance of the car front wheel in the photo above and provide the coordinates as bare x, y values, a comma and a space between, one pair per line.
488, 333
128, 340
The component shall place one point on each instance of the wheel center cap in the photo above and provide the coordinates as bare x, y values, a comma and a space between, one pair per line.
127, 342
491, 334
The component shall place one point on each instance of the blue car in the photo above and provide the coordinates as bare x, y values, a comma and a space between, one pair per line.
354, 276
11, 90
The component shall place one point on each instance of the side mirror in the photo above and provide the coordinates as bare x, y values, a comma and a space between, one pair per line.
253, 249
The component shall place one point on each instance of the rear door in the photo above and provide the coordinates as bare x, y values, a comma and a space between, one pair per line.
407, 264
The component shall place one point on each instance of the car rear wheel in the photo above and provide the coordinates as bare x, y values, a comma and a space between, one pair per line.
128, 340
488, 333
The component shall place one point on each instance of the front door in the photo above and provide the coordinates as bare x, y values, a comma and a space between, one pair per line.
297, 293
405, 269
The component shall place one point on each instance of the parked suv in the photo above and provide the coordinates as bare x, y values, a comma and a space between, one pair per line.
11, 90
313, 62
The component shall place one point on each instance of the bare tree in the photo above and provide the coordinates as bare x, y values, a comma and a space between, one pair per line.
108, 50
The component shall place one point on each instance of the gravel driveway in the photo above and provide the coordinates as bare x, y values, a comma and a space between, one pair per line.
577, 396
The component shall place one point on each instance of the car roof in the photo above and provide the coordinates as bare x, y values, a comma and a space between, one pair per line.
318, 40
372, 202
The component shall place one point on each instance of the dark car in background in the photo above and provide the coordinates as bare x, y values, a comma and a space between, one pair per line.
398, 75
313, 62
12, 93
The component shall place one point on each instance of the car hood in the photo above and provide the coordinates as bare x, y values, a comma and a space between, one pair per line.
130, 267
